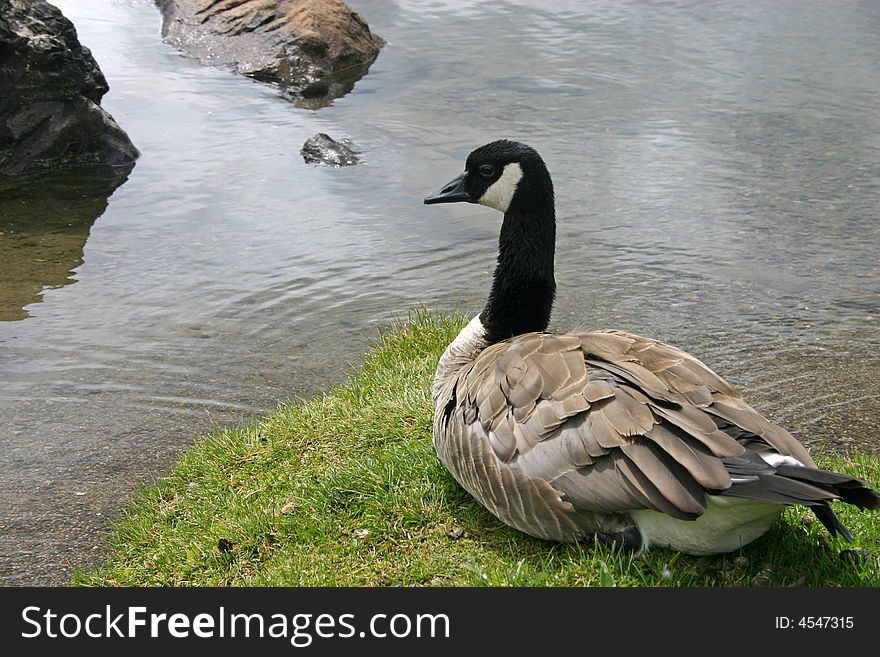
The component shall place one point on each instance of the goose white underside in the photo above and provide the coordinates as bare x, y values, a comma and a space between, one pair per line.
466, 346
728, 524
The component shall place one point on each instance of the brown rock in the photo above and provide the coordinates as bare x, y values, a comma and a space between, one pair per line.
315, 50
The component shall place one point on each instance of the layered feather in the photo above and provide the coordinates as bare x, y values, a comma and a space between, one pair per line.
557, 433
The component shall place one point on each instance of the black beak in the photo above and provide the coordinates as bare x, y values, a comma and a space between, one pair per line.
452, 192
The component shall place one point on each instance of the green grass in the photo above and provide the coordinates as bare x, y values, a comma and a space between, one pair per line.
345, 490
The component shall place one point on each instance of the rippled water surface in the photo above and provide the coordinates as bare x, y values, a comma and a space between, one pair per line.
717, 168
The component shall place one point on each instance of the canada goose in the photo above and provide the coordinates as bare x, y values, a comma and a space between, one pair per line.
565, 436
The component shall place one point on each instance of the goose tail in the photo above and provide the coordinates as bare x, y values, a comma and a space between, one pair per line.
789, 483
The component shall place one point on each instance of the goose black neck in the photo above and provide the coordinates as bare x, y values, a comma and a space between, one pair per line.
523, 286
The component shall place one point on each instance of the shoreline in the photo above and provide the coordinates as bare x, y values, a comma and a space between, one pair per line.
345, 489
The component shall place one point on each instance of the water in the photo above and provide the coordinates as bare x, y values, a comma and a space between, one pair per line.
717, 168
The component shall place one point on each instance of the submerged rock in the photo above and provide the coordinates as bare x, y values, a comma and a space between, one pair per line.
315, 50
323, 149
50, 94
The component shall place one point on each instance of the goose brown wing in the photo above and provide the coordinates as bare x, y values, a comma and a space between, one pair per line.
611, 420
686, 381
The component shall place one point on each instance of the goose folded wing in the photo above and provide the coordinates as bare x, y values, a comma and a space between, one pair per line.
668, 374
597, 436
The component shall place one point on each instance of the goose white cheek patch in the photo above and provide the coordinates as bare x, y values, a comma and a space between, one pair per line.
501, 192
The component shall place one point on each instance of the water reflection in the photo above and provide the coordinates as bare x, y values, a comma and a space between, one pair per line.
45, 221
324, 91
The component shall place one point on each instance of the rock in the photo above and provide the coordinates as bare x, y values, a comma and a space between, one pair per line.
315, 50
50, 94
323, 149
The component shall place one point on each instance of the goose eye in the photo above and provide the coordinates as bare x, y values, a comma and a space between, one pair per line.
487, 170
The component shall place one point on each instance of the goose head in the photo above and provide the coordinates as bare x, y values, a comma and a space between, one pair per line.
512, 178
499, 175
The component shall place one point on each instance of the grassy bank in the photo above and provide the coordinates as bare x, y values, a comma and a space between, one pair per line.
345, 489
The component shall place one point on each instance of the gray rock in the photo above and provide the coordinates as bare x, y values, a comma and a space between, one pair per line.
315, 50
323, 149
50, 94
